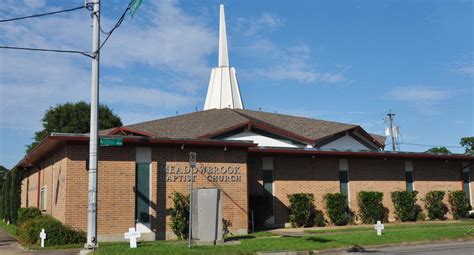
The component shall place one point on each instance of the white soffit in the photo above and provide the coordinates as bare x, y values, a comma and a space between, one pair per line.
345, 143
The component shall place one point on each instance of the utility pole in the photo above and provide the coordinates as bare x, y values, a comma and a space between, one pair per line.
192, 165
92, 205
390, 117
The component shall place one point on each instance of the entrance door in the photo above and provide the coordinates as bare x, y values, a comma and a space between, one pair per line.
142, 198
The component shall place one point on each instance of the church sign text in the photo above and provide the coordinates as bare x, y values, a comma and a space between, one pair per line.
180, 173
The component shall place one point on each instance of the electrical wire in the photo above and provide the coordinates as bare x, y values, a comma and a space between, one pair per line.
87, 54
43, 14
117, 24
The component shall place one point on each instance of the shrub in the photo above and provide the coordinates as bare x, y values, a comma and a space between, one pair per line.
421, 216
336, 206
27, 213
319, 219
435, 206
226, 224
371, 208
405, 205
180, 215
302, 210
459, 202
56, 232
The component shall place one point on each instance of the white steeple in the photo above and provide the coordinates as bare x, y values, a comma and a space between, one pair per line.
223, 91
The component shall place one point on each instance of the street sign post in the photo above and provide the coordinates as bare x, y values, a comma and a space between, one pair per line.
192, 165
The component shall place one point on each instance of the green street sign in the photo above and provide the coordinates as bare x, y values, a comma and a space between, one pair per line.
111, 142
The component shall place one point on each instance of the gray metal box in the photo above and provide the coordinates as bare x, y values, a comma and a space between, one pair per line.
207, 215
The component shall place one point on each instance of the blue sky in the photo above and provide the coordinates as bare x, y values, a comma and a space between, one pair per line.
347, 61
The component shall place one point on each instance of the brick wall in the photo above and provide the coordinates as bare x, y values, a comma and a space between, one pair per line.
234, 194
65, 176
436, 175
376, 175
51, 172
295, 175
320, 176
116, 195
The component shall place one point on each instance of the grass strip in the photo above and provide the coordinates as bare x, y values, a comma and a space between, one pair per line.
252, 243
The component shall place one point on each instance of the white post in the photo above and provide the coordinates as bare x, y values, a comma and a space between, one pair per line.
190, 233
132, 235
379, 226
192, 165
92, 206
42, 237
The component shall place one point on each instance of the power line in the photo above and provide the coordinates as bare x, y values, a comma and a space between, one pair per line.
42, 14
117, 24
87, 54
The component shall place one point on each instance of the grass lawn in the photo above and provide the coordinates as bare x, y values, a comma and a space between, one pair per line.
10, 229
318, 240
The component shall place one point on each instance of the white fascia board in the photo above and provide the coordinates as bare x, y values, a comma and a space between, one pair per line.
345, 143
261, 140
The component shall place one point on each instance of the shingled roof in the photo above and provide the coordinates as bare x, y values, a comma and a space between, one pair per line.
209, 123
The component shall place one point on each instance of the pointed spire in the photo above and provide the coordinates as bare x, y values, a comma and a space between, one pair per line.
223, 91
223, 55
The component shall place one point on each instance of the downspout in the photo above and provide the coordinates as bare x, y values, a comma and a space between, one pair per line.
38, 189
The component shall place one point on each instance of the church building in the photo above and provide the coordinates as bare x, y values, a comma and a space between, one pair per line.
246, 154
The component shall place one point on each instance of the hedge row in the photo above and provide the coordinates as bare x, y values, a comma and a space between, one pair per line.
31, 221
10, 196
303, 213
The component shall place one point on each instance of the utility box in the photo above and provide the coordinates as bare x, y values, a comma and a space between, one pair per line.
207, 215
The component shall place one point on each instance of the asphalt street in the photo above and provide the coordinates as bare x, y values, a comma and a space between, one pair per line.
444, 248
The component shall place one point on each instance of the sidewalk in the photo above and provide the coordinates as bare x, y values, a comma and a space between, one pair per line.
8, 245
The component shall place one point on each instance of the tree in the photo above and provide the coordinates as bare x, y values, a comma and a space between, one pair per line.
10, 196
15, 194
3, 174
468, 144
438, 150
73, 118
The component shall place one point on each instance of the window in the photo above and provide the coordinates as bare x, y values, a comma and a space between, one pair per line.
42, 204
268, 181
344, 178
409, 180
409, 175
268, 178
142, 196
343, 181
466, 180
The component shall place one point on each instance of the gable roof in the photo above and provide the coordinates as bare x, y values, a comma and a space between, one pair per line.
210, 123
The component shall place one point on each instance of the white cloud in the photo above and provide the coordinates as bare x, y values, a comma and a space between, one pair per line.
254, 26
150, 97
34, 3
171, 40
288, 63
465, 66
424, 99
418, 94
172, 45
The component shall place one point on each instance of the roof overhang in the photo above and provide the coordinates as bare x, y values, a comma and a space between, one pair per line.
357, 154
57, 140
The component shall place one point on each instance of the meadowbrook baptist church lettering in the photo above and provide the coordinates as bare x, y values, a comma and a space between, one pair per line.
180, 173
